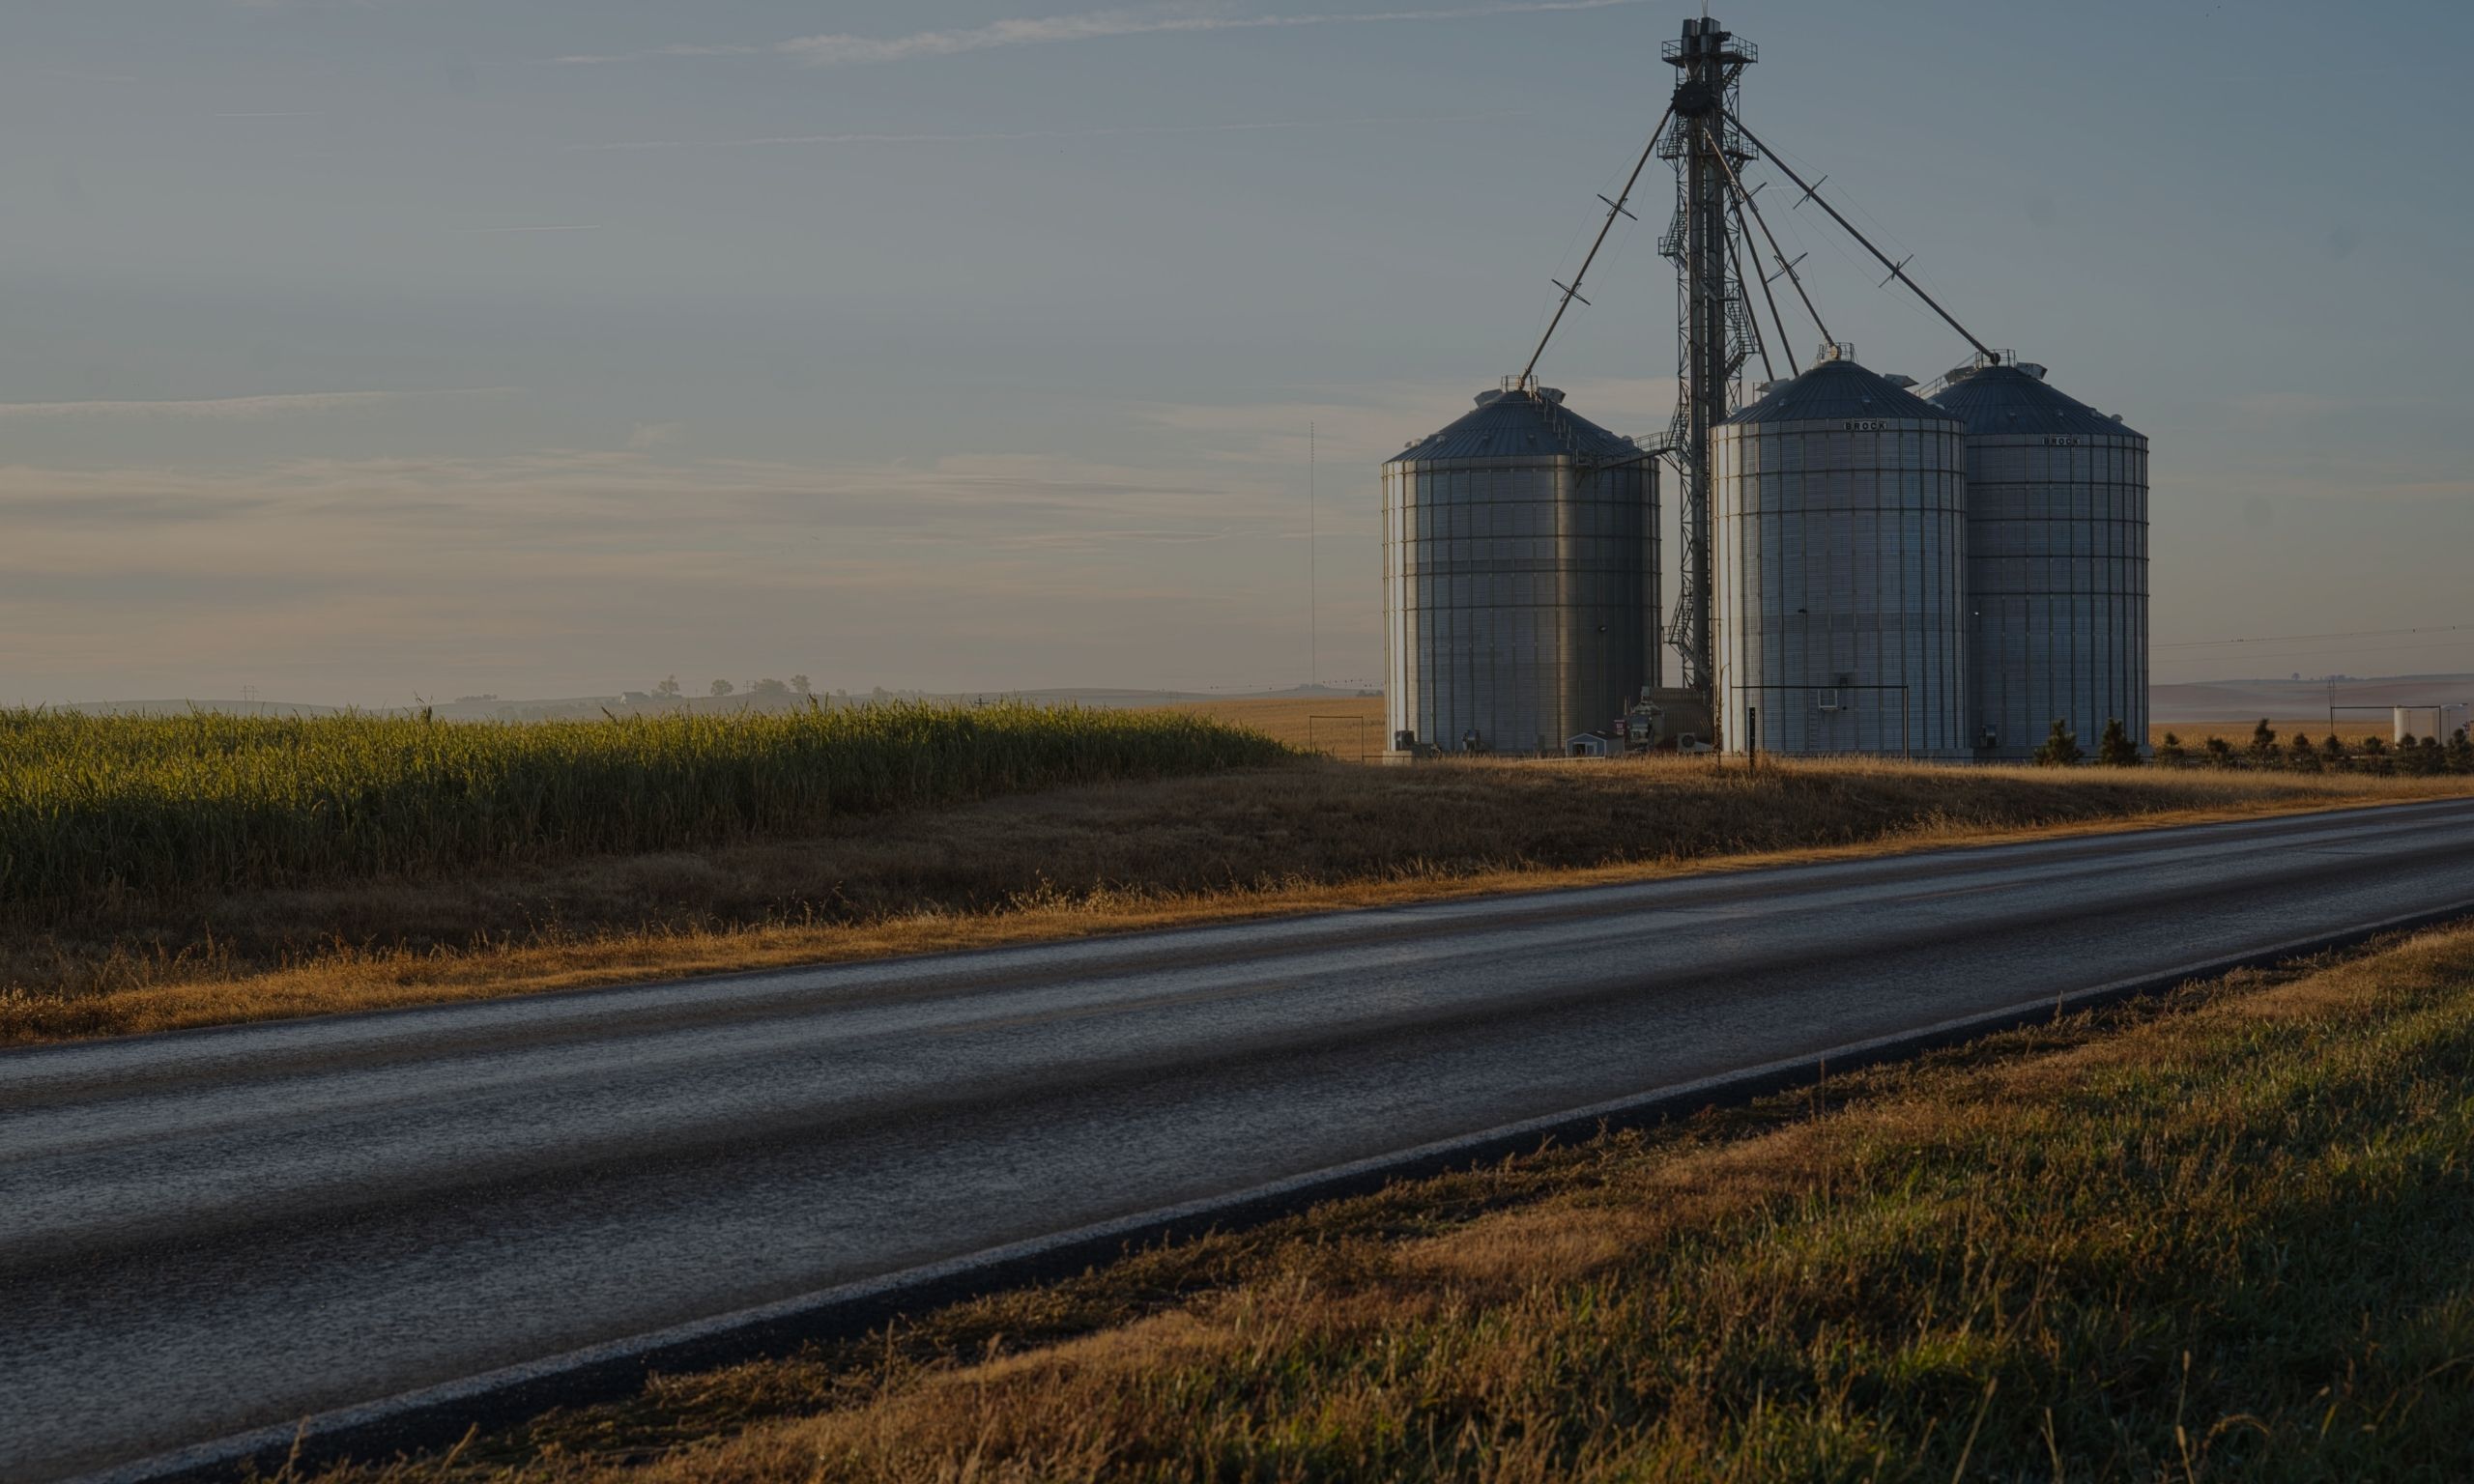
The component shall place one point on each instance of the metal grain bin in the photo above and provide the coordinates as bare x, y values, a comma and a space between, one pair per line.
1520, 578
2057, 562
1840, 503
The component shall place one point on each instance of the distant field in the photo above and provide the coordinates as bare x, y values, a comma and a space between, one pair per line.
2192, 733
1344, 727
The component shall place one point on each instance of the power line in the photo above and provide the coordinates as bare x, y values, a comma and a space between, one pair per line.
2287, 639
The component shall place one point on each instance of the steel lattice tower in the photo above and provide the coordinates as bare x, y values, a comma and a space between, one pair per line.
1714, 328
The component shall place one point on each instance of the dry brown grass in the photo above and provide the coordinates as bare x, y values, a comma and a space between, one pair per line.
1350, 728
1069, 862
1340, 726
2223, 1235
2351, 730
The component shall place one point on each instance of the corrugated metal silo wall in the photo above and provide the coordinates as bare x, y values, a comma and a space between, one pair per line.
2058, 566
1841, 585
1521, 598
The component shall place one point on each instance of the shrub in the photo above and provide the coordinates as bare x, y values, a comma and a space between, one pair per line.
2060, 749
2114, 748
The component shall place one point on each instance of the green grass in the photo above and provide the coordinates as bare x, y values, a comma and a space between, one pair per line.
2229, 1235
169, 807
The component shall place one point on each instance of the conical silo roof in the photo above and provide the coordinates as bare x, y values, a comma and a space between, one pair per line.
2005, 399
1521, 424
1838, 388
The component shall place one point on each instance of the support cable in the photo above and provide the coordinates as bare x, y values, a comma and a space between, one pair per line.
1752, 316
1898, 270
1784, 346
1614, 209
1744, 200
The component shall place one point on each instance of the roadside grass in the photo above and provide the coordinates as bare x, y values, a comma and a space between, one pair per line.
2224, 1234
1061, 863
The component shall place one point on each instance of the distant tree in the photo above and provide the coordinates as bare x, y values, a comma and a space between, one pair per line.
2375, 746
2301, 756
2264, 744
668, 687
2114, 748
2426, 758
723, 688
770, 689
2333, 751
2220, 753
2060, 749
2171, 752
799, 683
2461, 751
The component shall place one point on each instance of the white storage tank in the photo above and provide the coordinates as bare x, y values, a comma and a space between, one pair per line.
1521, 579
1841, 619
2057, 562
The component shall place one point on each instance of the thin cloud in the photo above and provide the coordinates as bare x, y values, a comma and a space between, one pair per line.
222, 408
598, 59
838, 49
835, 51
492, 231
1038, 134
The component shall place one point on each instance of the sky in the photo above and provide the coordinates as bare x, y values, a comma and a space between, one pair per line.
353, 351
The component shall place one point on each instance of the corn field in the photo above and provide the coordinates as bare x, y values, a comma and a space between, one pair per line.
174, 807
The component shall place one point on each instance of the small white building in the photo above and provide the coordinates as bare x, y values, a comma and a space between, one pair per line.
2418, 721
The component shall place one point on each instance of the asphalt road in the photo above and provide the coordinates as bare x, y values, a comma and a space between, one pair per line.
216, 1230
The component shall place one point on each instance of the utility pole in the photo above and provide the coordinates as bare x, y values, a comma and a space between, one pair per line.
1313, 591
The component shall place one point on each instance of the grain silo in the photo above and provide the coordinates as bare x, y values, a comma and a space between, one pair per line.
1840, 506
1520, 578
2057, 562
